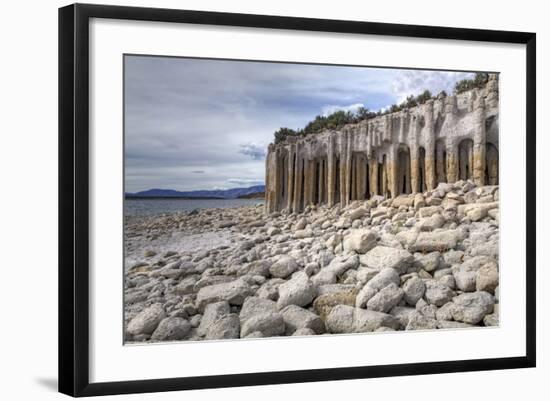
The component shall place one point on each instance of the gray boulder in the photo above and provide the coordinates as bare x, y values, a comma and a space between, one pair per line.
347, 319
381, 280
386, 298
304, 332
465, 274
360, 241
254, 305
300, 291
270, 289
234, 292
269, 324
429, 262
212, 312
283, 267
437, 294
413, 290
171, 329
418, 321
381, 257
436, 241
186, 285
472, 307
487, 278
337, 267
225, 327
403, 314
147, 320
297, 318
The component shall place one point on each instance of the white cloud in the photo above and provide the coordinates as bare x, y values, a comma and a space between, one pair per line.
255, 151
329, 109
244, 181
414, 82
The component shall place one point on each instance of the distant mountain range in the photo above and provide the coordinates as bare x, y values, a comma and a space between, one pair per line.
233, 193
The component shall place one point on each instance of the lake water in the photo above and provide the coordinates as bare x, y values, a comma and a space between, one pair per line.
143, 207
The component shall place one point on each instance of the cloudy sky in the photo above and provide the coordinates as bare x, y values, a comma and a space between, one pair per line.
205, 124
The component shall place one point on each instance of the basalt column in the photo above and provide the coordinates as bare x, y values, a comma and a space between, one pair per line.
421, 170
414, 170
429, 158
282, 165
480, 143
347, 187
492, 164
353, 177
308, 182
383, 173
414, 167
404, 170
466, 159
373, 163
318, 199
298, 181
440, 161
452, 148
331, 174
270, 179
360, 179
291, 169
393, 171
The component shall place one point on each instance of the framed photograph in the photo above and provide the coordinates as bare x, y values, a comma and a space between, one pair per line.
251, 199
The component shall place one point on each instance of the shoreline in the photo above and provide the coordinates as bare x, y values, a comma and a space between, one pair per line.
415, 262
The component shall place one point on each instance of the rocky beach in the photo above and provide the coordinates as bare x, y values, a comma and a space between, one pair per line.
422, 261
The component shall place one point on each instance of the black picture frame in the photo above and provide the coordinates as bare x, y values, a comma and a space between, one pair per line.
74, 198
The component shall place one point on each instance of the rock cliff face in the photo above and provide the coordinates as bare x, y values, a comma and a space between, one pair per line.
444, 140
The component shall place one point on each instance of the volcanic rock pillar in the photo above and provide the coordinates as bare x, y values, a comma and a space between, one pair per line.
429, 160
290, 183
331, 173
480, 142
